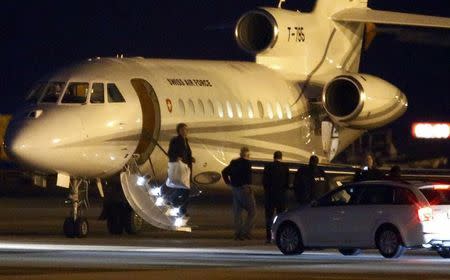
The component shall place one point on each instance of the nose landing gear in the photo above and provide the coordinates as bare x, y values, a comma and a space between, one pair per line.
76, 225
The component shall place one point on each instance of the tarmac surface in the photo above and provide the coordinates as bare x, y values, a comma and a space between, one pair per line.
32, 247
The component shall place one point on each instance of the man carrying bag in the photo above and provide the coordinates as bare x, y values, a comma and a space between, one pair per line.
178, 181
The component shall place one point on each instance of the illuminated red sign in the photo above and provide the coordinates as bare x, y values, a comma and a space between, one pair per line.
431, 130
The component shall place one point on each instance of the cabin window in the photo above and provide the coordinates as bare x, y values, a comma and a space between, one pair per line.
279, 111
201, 107
250, 112
239, 110
53, 92
260, 109
210, 108
114, 95
182, 107
191, 107
76, 93
288, 111
229, 109
269, 111
219, 109
97, 93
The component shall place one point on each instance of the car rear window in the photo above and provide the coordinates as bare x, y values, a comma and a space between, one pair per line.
403, 196
437, 196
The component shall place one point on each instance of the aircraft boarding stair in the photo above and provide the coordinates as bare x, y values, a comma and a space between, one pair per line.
144, 196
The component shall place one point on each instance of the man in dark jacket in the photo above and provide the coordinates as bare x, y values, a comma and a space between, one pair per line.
310, 182
276, 183
179, 149
238, 174
369, 171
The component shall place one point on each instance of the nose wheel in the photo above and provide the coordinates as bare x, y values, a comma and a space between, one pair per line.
76, 225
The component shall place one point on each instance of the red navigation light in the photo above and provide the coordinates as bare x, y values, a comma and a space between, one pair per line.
431, 130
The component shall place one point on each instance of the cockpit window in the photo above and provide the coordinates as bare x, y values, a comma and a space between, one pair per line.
97, 93
52, 92
114, 94
35, 94
76, 93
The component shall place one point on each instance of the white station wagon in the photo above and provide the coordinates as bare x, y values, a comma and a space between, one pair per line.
390, 216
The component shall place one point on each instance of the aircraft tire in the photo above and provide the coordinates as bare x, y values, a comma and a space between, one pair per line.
81, 227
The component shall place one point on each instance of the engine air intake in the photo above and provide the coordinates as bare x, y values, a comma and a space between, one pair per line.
256, 31
342, 97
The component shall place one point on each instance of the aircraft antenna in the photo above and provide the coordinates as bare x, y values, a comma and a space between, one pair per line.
280, 2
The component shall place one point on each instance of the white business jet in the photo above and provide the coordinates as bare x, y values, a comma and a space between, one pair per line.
302, 95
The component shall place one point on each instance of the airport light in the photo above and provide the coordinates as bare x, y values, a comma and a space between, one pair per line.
431, 130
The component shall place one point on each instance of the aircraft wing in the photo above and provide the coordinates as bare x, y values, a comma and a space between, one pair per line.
387, 17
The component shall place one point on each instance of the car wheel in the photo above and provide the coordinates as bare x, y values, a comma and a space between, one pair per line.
389, 242
444, 252
289, 239
349, 251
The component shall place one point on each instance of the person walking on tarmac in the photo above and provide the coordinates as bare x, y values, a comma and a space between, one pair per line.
276, 183
180, 152
310, 182
369, 171
238, 174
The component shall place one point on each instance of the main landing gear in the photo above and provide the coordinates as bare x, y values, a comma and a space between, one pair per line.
76, 224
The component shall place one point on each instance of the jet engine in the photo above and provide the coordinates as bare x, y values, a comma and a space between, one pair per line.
362, 101
256, 31
259, 31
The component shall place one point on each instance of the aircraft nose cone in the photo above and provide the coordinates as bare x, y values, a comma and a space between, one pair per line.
18, 143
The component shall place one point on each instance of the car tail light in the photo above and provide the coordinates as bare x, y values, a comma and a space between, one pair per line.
425, 214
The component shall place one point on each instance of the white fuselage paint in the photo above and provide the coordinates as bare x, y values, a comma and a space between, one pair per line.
251, 105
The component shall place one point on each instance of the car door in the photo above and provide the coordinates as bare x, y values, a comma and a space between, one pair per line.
372, 206
325, 219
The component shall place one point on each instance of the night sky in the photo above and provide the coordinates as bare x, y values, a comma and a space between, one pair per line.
38, 37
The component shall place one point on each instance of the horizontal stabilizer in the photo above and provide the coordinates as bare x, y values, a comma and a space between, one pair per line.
364, 15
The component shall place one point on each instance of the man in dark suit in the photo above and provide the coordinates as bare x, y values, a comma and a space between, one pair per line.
310, 182
276, 183
179, 150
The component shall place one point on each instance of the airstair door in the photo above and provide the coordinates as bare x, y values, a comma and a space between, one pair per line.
145, 197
